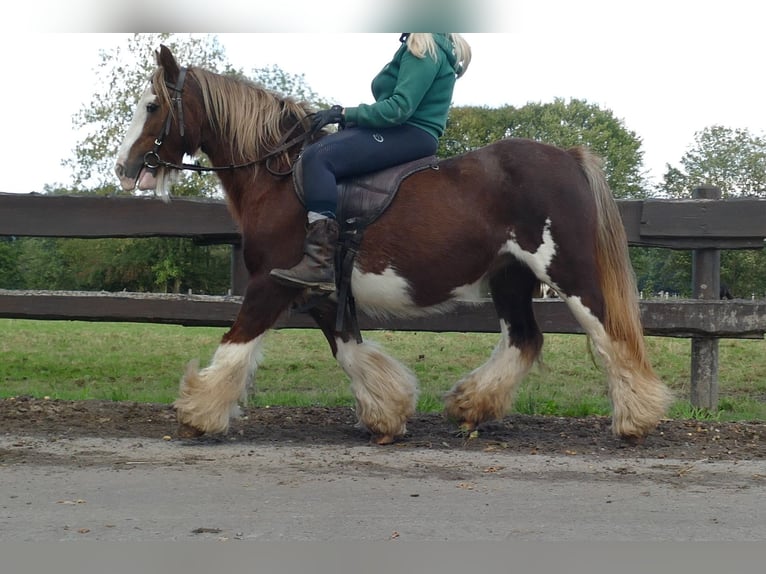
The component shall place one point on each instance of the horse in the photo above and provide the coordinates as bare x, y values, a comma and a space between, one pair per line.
512, 214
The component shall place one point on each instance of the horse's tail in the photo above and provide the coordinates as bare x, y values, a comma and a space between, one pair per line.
622, 316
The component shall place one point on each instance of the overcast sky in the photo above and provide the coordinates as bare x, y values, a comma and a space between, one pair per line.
666, 69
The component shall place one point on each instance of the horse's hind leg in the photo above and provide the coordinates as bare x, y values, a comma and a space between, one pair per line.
612, 322
385, 391
486, 393
639, 399
208, 398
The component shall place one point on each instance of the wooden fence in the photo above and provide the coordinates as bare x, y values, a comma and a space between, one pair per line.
704, 225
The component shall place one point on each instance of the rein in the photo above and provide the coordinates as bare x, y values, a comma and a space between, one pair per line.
153, 161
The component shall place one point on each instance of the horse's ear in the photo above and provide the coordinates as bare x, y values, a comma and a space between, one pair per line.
167, 62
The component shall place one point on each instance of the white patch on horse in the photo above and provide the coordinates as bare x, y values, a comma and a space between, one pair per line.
639, 399
540, 260
239, 357
382, 294
385, 390
136, 124
503, 370
620, 378
486, 393
388, 294
589, 322
473, 292
210, 397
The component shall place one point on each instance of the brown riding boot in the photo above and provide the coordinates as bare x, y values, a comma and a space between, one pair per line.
317, 268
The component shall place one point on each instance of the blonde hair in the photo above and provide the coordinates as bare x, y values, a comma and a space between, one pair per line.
420, 44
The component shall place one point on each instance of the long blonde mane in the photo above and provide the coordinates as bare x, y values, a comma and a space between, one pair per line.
247, 115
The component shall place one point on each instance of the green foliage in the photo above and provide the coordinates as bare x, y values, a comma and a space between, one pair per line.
471, 127
733, 160
276, 79
668, 270
142, 265
10, 273
664, 270
687, 411
745, 273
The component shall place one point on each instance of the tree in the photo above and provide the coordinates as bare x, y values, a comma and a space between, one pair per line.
733, 160
560, 123
276, 79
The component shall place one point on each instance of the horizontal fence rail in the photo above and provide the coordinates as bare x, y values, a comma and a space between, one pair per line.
663, 318
675, 224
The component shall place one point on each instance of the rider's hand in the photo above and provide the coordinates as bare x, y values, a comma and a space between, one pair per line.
333, 115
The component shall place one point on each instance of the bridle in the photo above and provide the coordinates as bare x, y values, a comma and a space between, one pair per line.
152, 159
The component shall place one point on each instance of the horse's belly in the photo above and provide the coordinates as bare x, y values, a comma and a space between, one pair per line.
390, 294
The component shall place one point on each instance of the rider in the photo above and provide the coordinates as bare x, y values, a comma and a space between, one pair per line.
413, 94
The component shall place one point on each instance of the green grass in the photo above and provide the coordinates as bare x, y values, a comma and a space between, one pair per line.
143, 362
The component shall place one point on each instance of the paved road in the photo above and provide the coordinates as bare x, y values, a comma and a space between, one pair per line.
142, 490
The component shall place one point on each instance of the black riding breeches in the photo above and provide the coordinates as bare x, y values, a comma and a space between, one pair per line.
355, 151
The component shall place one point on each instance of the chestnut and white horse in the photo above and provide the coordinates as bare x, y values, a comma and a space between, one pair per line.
514, 213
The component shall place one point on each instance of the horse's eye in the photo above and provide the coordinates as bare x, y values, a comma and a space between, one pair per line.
153, 107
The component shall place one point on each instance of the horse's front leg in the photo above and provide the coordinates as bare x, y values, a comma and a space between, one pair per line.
385, 391
210, 397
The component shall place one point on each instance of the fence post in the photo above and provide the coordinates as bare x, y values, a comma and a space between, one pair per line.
706, 282
239, 275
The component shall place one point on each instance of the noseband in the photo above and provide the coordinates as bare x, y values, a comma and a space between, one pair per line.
152, 158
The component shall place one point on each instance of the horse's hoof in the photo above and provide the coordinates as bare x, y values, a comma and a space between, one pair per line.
188, 431
383, 439
633, 440
467, 427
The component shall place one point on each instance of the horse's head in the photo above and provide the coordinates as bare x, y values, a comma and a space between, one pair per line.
156, 136
238, 124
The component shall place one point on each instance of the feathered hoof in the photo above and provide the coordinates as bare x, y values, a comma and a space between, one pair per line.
632, 440
457, 417
383, 439
465, 428
633, 434
635, 440
188, 431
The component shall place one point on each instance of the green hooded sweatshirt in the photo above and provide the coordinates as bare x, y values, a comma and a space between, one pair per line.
411, 90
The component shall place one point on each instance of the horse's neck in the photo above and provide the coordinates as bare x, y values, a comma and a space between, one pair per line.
256, 194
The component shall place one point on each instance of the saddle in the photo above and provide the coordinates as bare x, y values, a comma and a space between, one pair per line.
361, 200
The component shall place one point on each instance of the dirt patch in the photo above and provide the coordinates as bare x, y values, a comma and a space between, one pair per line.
673, 439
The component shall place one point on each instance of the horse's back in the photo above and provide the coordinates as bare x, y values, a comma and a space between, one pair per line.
505, 181
526, 155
